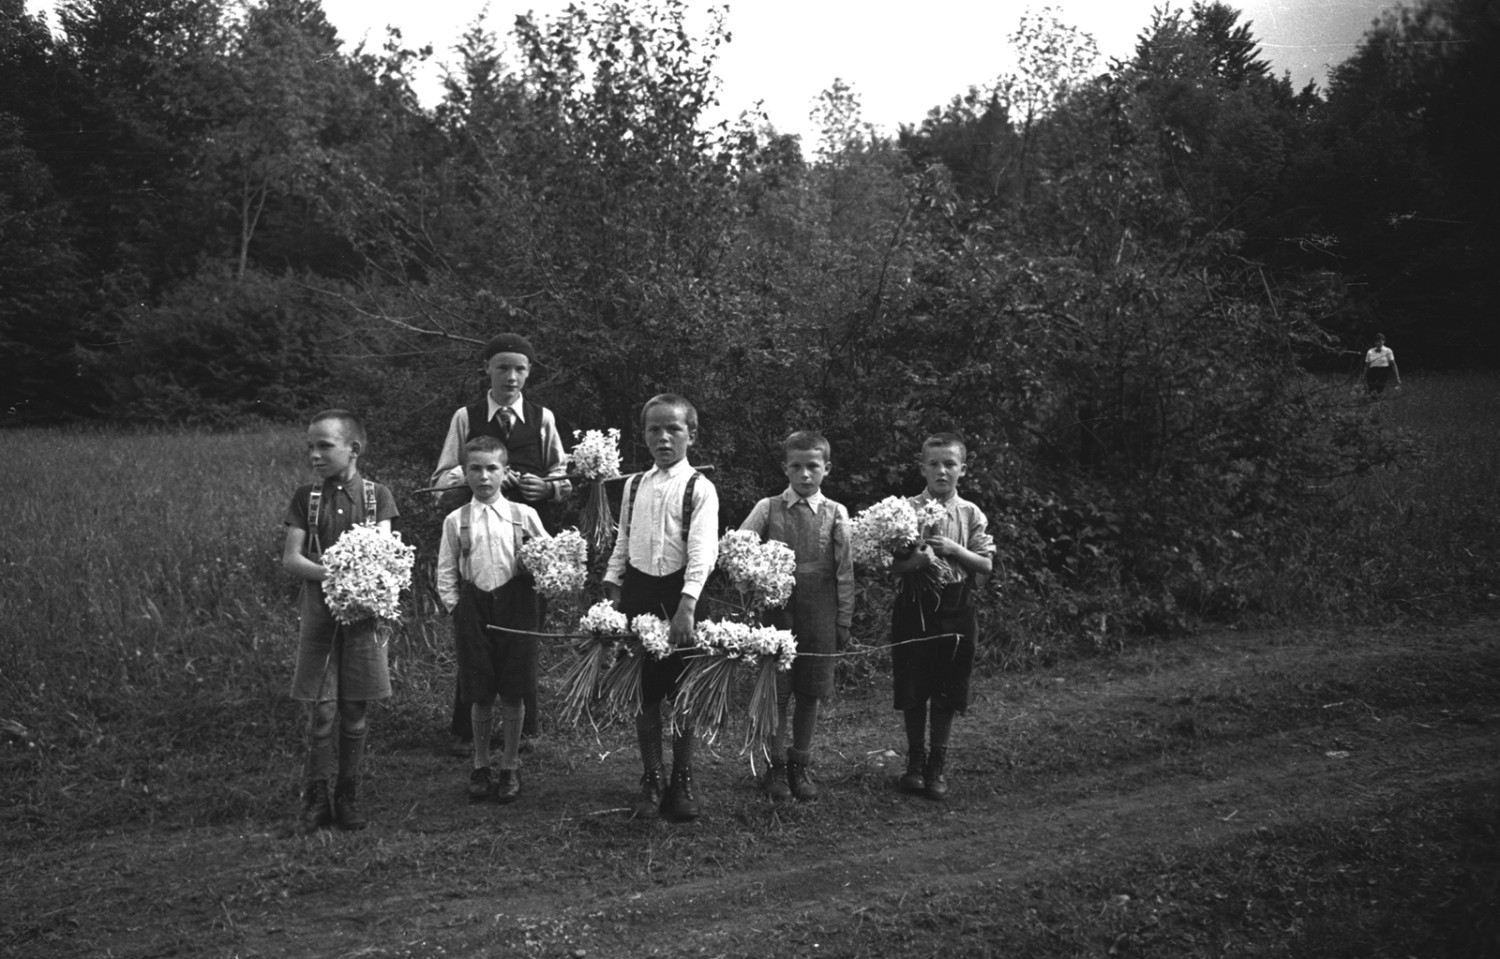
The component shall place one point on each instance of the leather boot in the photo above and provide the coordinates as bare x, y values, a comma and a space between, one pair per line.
317, 811
937, 786
647, 803
799, 776
776, 782
346, 806
914, 780
680, 804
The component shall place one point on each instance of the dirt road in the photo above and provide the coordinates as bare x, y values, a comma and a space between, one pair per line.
1234, 794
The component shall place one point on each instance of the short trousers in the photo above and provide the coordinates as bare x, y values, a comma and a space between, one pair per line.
338, 662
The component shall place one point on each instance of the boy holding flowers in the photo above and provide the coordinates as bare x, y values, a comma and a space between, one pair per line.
480, 582
340, 667
933, 621
821, 607
535, 461
668, 545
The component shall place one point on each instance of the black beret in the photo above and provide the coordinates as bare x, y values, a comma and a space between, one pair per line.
509, 343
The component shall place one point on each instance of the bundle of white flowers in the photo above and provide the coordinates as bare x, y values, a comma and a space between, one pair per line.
764, 573
602, 617
559, 564
596, 458
620, 688
890, 528
367, 568
705, 694
597, 455
606, 628
654, 633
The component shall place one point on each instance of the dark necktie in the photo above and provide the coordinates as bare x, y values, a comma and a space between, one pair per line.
502, 420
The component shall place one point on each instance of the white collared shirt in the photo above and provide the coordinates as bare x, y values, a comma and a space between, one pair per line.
492, 558
655, 544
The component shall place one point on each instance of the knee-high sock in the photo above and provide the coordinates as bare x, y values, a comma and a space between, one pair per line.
511, 716
916, 729
481, 720
805, 723
648, 734
682, 749
320, 724
942, 724
352, 729
783, 720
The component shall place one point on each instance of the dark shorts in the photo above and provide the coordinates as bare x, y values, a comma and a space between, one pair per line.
643, 593
1376, 377
338, 662
936, 669
811, 675
491, 662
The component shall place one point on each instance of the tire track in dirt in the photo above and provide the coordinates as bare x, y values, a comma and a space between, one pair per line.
1066, 827
1254, 756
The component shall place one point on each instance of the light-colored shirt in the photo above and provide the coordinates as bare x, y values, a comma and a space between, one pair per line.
450, 473
966, 525
492, 562
759, 521
655, 545
1380, 356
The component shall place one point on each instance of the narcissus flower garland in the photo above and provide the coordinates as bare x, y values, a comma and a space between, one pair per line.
720, 650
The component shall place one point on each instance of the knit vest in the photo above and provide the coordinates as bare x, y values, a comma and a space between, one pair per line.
525, 441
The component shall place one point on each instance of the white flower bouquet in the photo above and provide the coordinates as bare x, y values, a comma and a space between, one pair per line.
596, 458
721, 651
559, 564
367, 569
607, 628
764, 573
597, 455
892, 527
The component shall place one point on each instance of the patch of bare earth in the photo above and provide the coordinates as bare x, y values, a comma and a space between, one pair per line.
1236, 794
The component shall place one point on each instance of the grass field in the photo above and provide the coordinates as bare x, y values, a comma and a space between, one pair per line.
146, 632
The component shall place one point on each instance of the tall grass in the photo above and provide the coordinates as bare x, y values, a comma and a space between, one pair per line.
1423, 534
146, 625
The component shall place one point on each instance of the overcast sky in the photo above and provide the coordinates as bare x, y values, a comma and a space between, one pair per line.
900, 58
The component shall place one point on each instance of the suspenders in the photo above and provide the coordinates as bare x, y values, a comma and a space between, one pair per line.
466, 537
687, 505
314, 507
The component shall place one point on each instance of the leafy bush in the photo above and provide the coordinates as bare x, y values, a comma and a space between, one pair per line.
221, 350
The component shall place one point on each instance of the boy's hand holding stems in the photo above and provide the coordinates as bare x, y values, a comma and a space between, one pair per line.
683, 622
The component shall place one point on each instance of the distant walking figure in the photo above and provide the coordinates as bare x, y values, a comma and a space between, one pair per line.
1380, 366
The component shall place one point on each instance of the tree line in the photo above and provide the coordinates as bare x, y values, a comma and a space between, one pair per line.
1111, 278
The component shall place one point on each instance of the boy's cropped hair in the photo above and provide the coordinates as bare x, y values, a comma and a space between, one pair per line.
946, 439
484, 443
689, 411
803, 440
354, 430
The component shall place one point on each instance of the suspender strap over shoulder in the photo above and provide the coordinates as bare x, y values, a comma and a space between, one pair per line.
634, 491
466, 536
314, 513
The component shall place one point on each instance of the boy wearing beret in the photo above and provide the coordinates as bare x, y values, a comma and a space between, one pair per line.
535, 453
